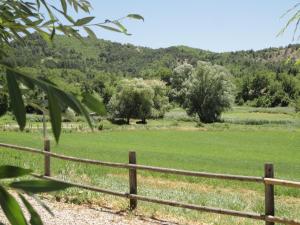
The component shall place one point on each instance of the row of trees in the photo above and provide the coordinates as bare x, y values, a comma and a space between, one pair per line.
150, 98
204, 90
268, 89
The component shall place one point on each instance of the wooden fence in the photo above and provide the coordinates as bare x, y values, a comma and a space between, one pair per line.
267, 180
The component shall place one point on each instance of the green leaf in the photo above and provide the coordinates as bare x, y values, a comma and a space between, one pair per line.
68, 17
45, 79
94, 103
64, 5
84, 21
55, 113
52, 33
109, 28
118, 24
16, 100
13, 171
62, 97
35, 218
44, 35
39, 186
38, 4
49, 22
52, 17
11, 208
90, 33
82, 109
135, 16
75, 5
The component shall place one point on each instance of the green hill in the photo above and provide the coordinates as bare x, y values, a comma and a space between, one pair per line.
97, 64
130, 60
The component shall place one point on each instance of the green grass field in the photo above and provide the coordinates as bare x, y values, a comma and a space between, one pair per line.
240, 145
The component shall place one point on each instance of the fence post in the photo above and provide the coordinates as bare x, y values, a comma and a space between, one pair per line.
269, 193
47, 158
132, 180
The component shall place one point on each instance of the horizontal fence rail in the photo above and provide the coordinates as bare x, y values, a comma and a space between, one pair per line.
274, 181
269, 183
249, 215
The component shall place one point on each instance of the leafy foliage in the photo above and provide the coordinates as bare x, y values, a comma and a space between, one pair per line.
98, 65
12, 171
138, 98
177, 80
266, 89
18, 20
209, 91
11, 208
35, 218
9, 204
91, 100
294, 19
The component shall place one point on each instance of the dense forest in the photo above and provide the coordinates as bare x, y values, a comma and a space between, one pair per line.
264, 78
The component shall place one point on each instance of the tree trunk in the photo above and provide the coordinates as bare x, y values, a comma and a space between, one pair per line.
128, 120
199, 116
144, 121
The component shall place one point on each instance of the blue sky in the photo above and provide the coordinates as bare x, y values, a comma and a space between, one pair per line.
216, 25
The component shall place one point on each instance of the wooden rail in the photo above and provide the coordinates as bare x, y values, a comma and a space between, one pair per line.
250, 215
132, 195
140, 167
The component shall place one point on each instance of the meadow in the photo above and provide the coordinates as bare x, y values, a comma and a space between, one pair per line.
240, 144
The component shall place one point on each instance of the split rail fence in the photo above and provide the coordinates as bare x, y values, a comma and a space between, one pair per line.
267, 180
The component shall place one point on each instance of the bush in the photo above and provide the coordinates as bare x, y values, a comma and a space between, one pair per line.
263, 101
240, 102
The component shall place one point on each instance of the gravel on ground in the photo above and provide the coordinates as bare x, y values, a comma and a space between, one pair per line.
70, 214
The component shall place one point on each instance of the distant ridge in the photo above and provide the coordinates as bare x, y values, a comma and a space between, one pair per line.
130, 60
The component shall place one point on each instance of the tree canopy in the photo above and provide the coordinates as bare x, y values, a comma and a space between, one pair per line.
138, 98
97, 65
208, 92
18, 19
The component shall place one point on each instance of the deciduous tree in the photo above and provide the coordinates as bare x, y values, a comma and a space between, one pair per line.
209, 92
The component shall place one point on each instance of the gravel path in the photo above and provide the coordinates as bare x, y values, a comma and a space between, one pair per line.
69, 214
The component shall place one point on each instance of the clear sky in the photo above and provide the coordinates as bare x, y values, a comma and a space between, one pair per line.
216, 25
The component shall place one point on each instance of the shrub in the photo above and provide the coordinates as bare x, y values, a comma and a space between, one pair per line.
263, 101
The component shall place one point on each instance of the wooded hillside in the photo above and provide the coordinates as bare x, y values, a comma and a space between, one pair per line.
267, 77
